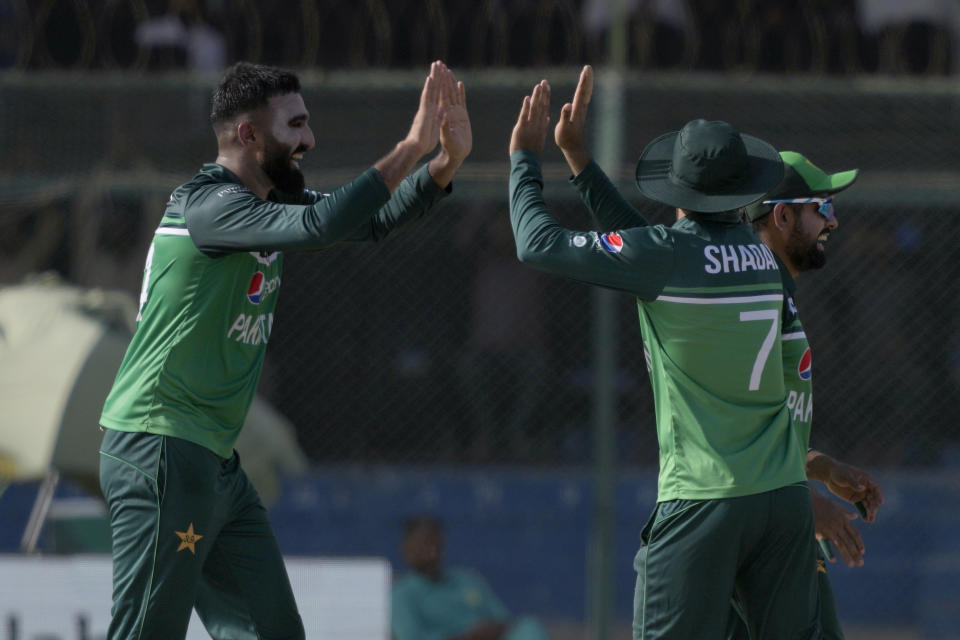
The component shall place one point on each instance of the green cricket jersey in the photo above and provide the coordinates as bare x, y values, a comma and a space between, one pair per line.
210, 288
425, 609
710, 298
797, 362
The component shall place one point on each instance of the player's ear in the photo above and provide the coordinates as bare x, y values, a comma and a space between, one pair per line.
246, 132
781, 215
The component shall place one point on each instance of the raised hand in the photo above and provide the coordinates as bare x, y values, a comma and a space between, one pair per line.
456, 136
569, 132
425, 130
833, 522
530, 132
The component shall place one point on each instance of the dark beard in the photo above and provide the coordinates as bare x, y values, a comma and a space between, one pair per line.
283, 175
804, 256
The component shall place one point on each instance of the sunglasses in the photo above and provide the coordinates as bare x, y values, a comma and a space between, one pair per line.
824, 205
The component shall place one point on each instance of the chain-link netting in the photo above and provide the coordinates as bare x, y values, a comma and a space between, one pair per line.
432, 371
437, 345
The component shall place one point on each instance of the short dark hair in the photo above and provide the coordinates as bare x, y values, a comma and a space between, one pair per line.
246, 86
760, 223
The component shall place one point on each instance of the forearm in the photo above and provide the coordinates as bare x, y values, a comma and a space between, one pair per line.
242, 222
443, 167
610, 210
640, 269
540, 240
415, 196
577, 159
395, 166
819, 465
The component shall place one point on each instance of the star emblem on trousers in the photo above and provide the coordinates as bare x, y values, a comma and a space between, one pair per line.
188, 539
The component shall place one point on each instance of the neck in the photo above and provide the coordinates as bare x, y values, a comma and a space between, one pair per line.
249, 172
431, 573
781, 252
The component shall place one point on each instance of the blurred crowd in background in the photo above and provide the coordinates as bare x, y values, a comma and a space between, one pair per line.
819, 36
438, 346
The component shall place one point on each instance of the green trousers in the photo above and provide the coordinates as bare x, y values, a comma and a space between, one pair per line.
695, 554
189, 531
830, 627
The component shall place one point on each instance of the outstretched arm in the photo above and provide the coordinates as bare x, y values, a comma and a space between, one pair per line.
609, 208
636, 260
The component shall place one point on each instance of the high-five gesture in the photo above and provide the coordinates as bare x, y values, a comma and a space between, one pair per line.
456, 136
573, 116
441, 117
425, 130
530, 132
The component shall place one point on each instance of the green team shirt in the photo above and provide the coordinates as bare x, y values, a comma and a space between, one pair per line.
797, 362
710, 298
210, 288
425, 609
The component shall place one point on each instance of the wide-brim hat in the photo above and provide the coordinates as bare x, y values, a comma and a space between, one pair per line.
709, 167
802, 179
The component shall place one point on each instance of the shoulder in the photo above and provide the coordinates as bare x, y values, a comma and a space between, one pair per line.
464, 575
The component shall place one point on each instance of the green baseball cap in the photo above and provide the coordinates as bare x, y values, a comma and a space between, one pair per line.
801, 179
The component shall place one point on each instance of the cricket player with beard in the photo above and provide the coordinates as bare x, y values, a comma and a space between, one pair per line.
793, 220
733, 510
188, 529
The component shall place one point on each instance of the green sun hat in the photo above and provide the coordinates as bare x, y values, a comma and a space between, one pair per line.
708, 167
802, 179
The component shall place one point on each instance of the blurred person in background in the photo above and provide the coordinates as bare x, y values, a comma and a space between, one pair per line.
182, 38
503, 366
733, 509
188, 528
433, 602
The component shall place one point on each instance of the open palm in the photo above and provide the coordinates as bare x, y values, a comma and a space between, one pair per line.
456, 136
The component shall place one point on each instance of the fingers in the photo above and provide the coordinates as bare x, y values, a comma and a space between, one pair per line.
448, 85
581, 97
871, 503
849, 545
844, 536
872, 496
540, 102
429, 88
525, 110
451, 92
532, 122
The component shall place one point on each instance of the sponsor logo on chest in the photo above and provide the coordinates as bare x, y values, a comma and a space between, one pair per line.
254, 328
805, 366
260, 287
